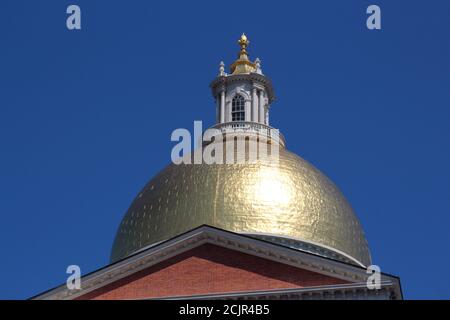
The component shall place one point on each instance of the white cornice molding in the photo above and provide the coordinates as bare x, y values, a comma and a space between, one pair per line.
316, 248
340, 291
262, 81
203, 235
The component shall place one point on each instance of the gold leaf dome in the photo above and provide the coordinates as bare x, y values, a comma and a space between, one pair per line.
291, 203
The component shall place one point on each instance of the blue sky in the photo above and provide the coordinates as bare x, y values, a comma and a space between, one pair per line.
86, 118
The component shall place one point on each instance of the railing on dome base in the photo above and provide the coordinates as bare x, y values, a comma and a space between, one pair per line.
252, 128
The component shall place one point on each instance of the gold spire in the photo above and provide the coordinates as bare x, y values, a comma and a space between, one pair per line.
243, 64
244, 42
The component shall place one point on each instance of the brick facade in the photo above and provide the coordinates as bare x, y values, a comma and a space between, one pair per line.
210, 269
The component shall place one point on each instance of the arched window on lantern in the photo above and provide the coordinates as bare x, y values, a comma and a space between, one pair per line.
238, 108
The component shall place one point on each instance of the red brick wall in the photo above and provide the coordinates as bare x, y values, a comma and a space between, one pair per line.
209, 269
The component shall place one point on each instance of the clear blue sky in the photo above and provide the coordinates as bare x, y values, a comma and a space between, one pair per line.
86, 118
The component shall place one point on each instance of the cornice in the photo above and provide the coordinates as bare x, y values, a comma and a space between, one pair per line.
255, 78
150, 256
337, 292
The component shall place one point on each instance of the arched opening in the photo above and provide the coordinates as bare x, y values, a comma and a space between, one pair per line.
238, 108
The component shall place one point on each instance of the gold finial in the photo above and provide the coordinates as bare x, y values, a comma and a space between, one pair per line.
243, 64
244, 42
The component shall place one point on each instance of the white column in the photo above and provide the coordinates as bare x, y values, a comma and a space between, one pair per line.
217, 109
222, 106
261, 106
267, 116
254, 106
248, 111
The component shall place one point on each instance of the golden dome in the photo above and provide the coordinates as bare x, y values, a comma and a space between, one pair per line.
291, 201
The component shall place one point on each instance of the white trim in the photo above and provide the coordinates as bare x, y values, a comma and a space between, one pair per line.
320, 290
226, 239
308, 242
